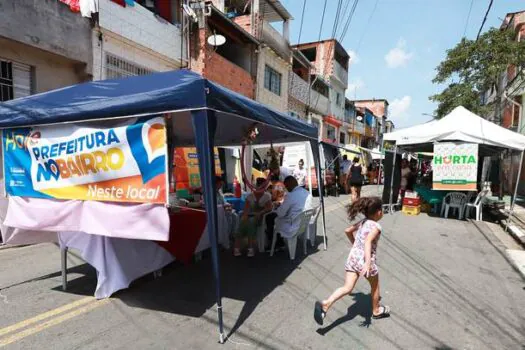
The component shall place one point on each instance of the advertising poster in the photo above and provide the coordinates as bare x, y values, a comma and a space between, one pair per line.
187, 167
455, 166
122, 163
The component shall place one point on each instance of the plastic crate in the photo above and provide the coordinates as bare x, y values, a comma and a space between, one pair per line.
409, 210
412, 202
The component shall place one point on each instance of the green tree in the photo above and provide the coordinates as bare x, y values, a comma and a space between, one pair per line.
477, 66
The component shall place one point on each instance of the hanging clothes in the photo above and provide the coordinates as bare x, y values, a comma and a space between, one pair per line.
130, 2
164, 9
88, 7
73, 4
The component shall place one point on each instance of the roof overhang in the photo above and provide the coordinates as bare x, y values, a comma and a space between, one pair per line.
274, 11
220, 19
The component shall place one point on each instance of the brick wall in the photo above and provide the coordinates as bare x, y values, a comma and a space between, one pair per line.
379, 108
245, 22
506, 121
229, 75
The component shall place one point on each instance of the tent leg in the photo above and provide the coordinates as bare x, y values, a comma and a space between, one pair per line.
316, 149
204, 126
379, 172
515, 193
390, 204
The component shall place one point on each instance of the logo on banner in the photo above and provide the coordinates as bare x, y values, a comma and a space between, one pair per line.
69, 161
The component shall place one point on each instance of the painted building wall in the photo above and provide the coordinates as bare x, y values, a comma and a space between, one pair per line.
263, 95
50, 71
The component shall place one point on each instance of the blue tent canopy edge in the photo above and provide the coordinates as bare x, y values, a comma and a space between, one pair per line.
180, 90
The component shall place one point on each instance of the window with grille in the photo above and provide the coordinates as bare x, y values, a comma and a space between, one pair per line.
117, 67
272, 80
15, 80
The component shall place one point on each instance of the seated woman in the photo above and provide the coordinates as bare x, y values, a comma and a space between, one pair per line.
257, 204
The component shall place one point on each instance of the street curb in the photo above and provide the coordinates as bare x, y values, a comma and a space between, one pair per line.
518, 259
510, 257
513, 230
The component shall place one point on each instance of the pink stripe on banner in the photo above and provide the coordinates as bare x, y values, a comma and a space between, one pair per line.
134, 221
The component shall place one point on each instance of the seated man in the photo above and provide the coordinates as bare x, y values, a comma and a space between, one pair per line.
296, 201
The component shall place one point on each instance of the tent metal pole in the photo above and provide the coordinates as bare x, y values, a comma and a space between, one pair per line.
309, 166
390, 205
515, 193
381, 163
320, 185
204, 126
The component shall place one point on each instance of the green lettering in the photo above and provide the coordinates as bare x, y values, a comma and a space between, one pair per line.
438, 160
456, 159
464, 159
471, 160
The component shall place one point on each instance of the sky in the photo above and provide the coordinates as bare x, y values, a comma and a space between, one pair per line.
395, 45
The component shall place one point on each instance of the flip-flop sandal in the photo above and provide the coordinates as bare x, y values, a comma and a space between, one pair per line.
319, 314
385, 312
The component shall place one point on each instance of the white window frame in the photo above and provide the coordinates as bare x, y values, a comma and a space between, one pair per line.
117, 67
18, 77
272, 80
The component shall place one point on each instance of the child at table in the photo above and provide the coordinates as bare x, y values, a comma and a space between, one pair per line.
257, 204
362, 258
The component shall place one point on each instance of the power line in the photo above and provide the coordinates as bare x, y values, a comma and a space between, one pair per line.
302, 19
322, 20
366, 27
343, 12
484, 19
468, 17
347, 25
336, 20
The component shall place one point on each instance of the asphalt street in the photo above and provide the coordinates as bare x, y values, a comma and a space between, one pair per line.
448, 283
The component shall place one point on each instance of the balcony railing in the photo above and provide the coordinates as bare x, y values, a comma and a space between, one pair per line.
358, 128
276, 41
319, 103
340, 73
299, 88
141, 26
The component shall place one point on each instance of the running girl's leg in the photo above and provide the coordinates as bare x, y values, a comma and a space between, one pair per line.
358, 192
350, 281
374, 284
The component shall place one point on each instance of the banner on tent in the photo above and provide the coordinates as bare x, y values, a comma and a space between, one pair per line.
122, 163
455, 166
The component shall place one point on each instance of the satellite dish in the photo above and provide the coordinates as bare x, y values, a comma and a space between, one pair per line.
359, 118
216, 40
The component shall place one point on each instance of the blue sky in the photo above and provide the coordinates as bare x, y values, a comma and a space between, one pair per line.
401, 43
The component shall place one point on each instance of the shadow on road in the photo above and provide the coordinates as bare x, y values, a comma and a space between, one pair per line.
362, 307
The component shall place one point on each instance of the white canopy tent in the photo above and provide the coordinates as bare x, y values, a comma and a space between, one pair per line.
464, 126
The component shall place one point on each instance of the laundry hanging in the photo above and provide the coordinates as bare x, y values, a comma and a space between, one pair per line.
120, 2
88, 7
73, 4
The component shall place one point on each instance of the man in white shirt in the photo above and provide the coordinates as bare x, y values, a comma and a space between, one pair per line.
300, 173
296, 201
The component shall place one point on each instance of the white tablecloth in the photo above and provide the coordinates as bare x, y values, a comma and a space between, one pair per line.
118, 261
224, 232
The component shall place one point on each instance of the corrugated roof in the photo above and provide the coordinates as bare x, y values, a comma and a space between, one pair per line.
274, 11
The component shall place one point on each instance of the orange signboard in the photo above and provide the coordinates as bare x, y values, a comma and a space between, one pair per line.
186, 170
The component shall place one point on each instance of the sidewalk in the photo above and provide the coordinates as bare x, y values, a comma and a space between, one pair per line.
516, 226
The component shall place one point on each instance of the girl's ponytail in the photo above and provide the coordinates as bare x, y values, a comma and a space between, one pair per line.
365, 205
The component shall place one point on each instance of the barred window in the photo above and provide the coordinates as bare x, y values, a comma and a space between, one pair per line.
15, 80
117, 67
272, 80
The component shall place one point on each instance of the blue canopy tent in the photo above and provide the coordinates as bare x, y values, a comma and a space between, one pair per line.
204, 114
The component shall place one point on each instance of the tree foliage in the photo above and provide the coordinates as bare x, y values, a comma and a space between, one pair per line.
476, 66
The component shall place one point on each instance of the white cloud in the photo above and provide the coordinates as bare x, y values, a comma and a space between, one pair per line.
399, 108
398, 56
354, 58
354, 86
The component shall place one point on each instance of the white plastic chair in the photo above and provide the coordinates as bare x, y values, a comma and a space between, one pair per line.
311, 230
304, 218
261, 234
454, 200
477, 205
